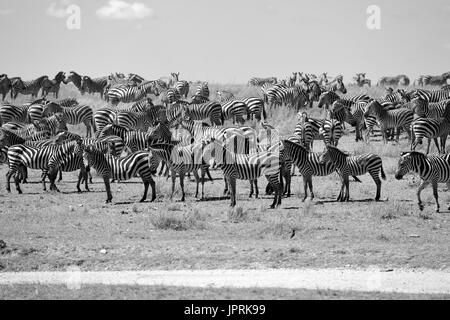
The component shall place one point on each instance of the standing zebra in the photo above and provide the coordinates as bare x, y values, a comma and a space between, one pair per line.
431, 169
93, 86
74, 115
336, 85
260, 81
235, 110
432, 95
27, 87
201, 94
52, 86
182, 86
126, 94
347, 165
76, 79
332, 131
307, 129
390, 118
247, 167
210, 110
5, 85
255, 108
182, 160
108, 166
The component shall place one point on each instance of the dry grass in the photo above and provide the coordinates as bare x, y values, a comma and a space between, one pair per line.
56, 232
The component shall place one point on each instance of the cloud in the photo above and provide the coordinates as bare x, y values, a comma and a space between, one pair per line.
122, 10
6, 12
58, 9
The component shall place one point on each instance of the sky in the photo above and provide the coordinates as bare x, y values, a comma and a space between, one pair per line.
224, 41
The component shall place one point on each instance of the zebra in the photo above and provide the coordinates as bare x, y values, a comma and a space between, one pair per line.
93, 86
235, 110
246, 167
126, 94
347, 165
390, 118
5, 85
293, 96
432, 80
52, 86
210, 110
361, 80
308, 163
182, 160
431, 128
76, 79
332, 131
260, 81
201, 94
225, 96
432, 95
341, 110
182, 86
422, 80
401, 80
75, 115
54, 124
337, 85
9, 113
307, 129
315, 92
33, 158
170, 96
255, 108
122, 168
27, 87
422, 108
431, 169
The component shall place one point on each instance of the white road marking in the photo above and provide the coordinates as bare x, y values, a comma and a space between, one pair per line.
369, 280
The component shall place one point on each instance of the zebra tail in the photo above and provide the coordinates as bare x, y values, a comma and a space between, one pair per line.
264, 112
383, 176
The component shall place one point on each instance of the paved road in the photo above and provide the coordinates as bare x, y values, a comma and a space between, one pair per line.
369, 280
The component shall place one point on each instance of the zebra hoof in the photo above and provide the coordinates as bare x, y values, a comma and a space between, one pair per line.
421, 206
437, 210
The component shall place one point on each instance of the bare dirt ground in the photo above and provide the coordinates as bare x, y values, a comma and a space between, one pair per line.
47, 231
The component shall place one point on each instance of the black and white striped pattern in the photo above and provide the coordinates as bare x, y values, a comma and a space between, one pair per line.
122, 168
126, 94
432, 95
332, 131
27, 87
201, 94
182, 86
53, 86
211, 111
347, 165
399, 118
431, 169
235, 110
261, 81
93, 86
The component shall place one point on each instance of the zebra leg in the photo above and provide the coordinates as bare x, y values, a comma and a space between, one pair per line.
182, 185
311, 187
251, 188
422, 186
60, 176
153, 185
347, 189
225, 191
376, 179
197, 182
203, 181
435, 194
146, 184
108, 189
255, 182
448, 189
84, 176
17, 181
174, 177
342, 192
8, 180
232, 183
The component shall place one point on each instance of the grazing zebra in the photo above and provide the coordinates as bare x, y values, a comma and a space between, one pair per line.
126, 94
76, 79
201, 94
432, 95
122, 168
182, 86
52, 86
261, 81
390, 118
93, 86
235, 110
431, 169
246, 167
347, 165
211, 110
27, 87
5, 85
332, 131
293, 96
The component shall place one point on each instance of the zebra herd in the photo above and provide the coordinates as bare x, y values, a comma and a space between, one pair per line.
165, 129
